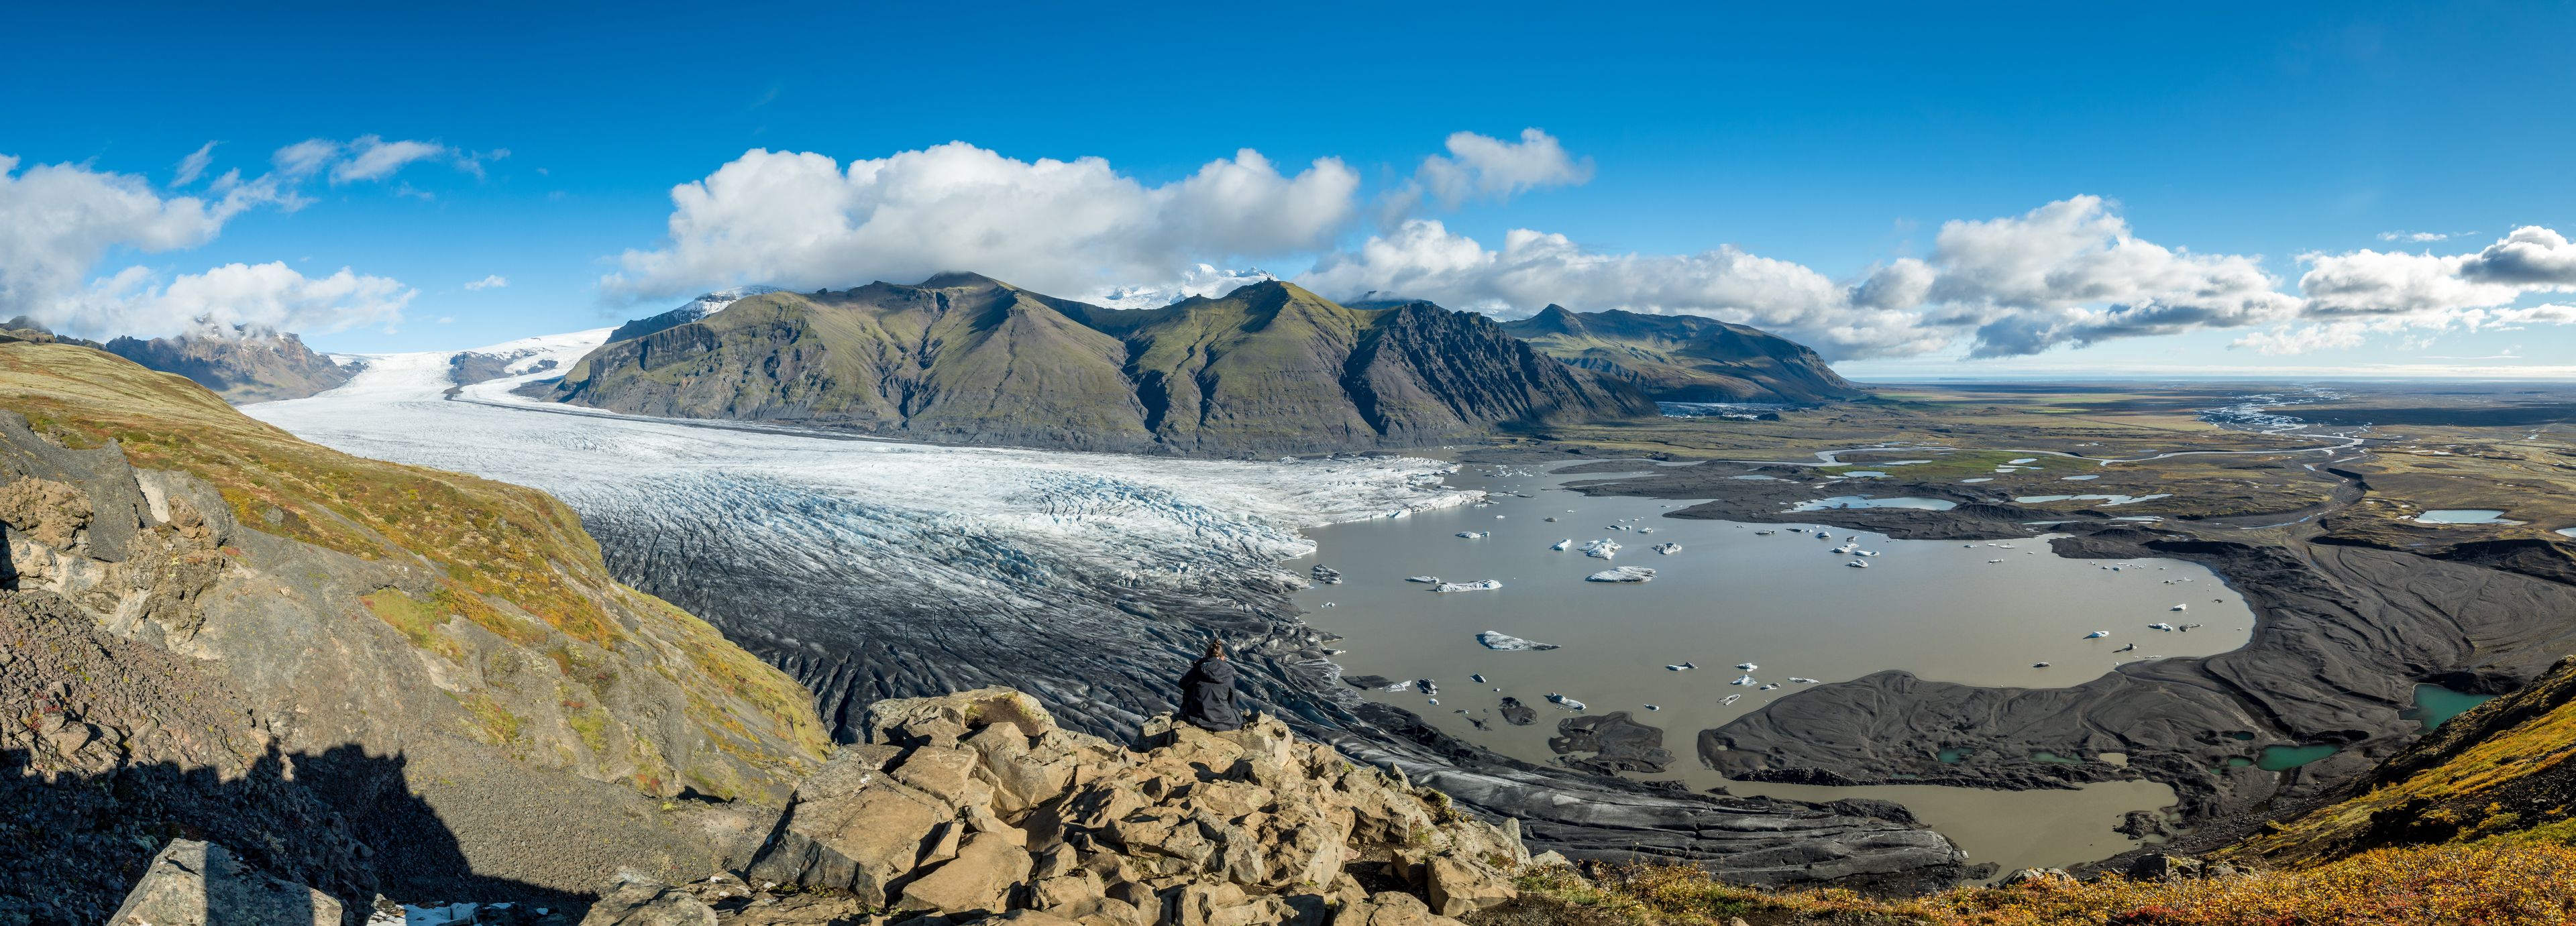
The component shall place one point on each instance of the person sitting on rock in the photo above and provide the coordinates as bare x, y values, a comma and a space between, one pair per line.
1207, 692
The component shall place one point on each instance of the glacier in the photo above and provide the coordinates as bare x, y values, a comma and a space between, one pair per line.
871, 568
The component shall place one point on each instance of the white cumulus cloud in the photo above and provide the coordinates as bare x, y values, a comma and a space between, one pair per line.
59, 220
270, 296
1481, 167
495, 281
2360, 293
800, 220
2071, 273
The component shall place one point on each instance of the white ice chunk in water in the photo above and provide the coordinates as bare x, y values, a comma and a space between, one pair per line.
1498, 640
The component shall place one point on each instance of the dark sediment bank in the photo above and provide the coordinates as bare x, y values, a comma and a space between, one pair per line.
1610, 744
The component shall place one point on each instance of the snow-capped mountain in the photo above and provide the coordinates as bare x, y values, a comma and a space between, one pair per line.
697, 308
1202, 280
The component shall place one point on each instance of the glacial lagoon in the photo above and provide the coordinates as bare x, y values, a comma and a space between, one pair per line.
1978, 613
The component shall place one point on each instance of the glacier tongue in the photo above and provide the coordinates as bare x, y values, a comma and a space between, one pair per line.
873, 568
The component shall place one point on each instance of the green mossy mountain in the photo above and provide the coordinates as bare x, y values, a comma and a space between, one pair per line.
1685, 358
1269, 368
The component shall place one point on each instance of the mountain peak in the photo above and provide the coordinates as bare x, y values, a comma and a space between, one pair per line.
960, 279
1685, 358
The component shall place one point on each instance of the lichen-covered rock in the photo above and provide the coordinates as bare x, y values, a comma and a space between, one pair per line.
1458, 888
982, 877
854, 828
1390, 908
194, 883
1249, 827
643, 903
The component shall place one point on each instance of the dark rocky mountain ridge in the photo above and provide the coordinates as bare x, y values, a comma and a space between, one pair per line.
1685, 358
243, 365
1269, 368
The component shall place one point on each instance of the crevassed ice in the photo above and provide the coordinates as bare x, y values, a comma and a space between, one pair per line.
981, 523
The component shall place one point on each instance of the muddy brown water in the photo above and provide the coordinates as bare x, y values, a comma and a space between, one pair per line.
1782, 601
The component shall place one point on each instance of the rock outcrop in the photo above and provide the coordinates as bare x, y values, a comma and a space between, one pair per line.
977, 803
193, 883
1267, 369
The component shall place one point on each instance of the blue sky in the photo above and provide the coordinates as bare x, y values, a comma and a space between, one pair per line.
1838, 141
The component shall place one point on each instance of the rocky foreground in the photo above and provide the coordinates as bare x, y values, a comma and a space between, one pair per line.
977, 804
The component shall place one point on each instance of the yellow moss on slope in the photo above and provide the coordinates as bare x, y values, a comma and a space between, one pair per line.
2493, 882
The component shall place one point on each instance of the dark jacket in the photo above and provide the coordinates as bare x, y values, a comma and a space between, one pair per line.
1207, 696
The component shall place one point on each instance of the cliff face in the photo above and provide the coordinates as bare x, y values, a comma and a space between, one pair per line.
241, 366
1267, 369
1685, 358
269, 639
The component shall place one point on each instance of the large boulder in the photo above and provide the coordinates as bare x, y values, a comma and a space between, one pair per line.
1459, 888
853, 827
981, 878
194, 883
1390, 908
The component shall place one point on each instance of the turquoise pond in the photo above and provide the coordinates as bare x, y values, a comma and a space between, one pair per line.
2463, 516
2435, 704
2285, 758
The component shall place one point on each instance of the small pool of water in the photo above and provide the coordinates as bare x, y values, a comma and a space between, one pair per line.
2435, 705
2285, 758
2567, 531
1866, 473
2054, 759
1863, 501
2463, 516
2079, 478
1991, 479
1757, 477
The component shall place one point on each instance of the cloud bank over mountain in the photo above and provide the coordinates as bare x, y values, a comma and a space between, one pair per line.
801, 220
2065, 274
60, 222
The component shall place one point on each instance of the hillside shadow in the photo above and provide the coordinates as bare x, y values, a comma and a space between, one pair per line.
73, 844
